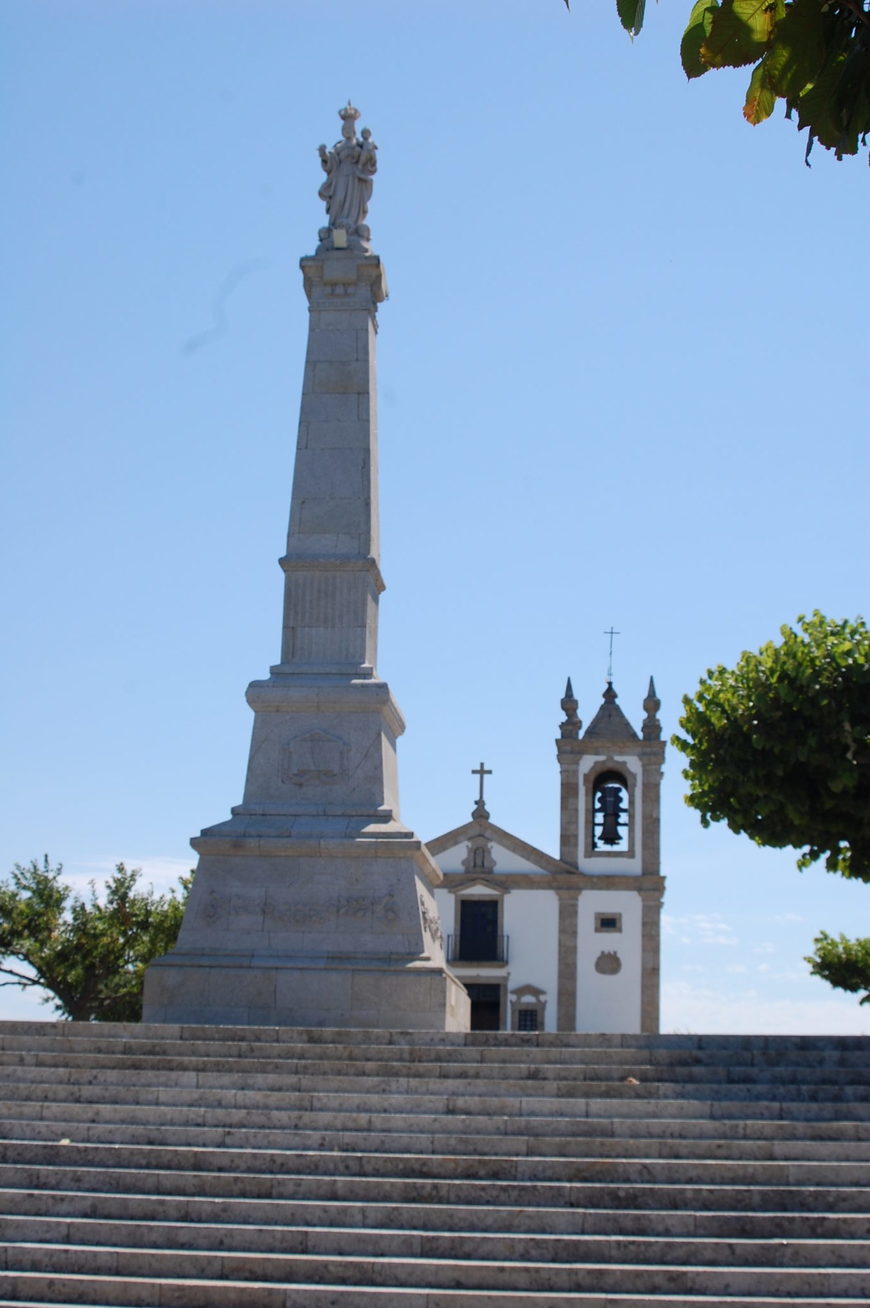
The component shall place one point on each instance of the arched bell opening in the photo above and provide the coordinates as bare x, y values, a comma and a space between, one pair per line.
610, 812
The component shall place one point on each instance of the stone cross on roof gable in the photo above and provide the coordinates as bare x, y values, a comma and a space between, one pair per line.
480, 810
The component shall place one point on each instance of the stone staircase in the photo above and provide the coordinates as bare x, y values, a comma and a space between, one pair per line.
215, 1167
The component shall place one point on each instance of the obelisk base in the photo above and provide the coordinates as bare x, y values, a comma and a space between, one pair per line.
285, 932
237, 990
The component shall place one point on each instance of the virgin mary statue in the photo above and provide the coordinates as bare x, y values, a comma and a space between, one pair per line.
349, 167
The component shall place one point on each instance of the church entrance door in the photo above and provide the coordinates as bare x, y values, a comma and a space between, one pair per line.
485, 1006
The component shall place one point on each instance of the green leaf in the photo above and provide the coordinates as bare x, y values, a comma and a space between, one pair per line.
799, 50
820, 110
740, 33
696, 33
631, 14
760, 100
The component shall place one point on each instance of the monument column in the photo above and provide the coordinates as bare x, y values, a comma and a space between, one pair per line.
312, 905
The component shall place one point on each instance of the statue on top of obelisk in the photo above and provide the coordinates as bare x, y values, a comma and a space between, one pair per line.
349, 166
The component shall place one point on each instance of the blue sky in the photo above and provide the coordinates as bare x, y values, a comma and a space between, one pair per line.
619, 385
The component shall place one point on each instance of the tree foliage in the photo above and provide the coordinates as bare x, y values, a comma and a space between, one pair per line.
844, 963
814, 55
779, 746
89, 954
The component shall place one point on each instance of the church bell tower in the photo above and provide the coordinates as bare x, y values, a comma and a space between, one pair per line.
610, 829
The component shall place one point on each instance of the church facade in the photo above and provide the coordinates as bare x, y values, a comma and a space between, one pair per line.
569, 943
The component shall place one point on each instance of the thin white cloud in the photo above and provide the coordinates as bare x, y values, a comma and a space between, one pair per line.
699, 928
687, 1007
159, 870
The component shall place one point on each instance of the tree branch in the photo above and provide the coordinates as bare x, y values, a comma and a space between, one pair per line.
21, 979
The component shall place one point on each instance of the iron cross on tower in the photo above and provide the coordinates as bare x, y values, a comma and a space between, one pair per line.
611, 633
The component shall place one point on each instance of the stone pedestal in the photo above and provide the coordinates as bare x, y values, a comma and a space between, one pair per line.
312, 905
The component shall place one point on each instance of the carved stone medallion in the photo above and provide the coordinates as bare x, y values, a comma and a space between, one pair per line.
315, 758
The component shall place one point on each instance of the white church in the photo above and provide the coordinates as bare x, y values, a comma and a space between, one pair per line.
568, 943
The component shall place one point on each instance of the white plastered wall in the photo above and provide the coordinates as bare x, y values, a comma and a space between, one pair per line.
609, 1003
531, 921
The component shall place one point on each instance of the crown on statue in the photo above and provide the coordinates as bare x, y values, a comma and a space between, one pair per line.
348, 112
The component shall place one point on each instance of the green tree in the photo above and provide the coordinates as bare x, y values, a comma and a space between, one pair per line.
778, 747
813, 55
89, 954
843, 963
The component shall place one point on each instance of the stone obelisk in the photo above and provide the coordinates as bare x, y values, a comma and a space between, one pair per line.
312, 905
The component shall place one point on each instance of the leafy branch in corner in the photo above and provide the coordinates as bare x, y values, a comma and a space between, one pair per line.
813, 55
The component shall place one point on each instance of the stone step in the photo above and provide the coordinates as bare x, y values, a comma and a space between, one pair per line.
264, 1167
117, 1292
357, 1163
461, 1049
525, 1065
112, 1129
586, 1193
471, 1245
243, 1036
449, 1105
228, 1109
722, 1224
715, 1079
731, 1097
447, 1273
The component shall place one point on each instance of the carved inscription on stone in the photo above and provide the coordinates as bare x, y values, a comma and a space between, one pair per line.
246, 910
214, 908
316, 758
292, 917
431, 921
355, 906
608, 962
386, 910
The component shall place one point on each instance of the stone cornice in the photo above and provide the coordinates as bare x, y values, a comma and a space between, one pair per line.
568, 881
300, 693
333, 563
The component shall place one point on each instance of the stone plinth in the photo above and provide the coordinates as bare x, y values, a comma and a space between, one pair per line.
309, 933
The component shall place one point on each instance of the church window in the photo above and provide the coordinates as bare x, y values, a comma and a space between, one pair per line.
608, 921
610, 815
528, 1004
479, 938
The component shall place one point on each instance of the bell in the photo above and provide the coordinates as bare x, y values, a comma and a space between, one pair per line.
610, 807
